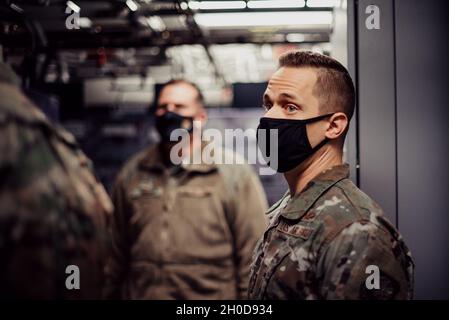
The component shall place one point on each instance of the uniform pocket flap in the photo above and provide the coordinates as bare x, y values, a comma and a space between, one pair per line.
195, 192
146, 189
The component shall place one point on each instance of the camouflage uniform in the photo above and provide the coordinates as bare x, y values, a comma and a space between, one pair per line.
52, 209
320, 242
184, 232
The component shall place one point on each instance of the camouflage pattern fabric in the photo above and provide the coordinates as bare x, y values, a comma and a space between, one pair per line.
52, 209
323, 242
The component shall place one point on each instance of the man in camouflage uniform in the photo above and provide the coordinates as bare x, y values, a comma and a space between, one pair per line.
326, 238
183, 231
52, 209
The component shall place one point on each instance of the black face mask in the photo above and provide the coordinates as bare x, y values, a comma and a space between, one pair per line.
171, 121
293, 144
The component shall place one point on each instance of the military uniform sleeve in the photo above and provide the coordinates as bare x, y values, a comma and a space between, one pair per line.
42, 227
119, 258
21, 260
362, 263
248, 224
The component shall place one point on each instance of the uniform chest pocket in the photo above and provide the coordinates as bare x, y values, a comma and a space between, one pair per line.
198, 203
281, 245
201, 213
146, 200
271, 255
288, 273
145, 189
195, 192
203, 202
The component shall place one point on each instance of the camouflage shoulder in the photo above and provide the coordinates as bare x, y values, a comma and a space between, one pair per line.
364, 204
18, 111
14, 105
331, 214
368, 209
345, 261
346, 209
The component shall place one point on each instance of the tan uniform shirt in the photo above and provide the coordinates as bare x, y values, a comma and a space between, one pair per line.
185, 232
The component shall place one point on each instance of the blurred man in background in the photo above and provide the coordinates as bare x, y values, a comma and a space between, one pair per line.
326, 239
52, 209
183, 231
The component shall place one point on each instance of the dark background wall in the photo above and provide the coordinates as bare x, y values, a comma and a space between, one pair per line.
402, 74
422, 71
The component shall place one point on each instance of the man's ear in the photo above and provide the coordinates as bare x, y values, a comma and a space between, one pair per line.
202, 115
338, 123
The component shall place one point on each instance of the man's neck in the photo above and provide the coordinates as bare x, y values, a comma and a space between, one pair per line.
325, 158
194, 145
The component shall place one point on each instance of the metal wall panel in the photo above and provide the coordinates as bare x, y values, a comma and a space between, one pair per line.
376, 106
351, 141
402, 73
423, 140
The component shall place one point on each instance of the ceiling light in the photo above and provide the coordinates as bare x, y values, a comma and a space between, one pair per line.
16, 8
321, 3
156, 23
295, 37
216, 5
184, 5
85, 22
132, 5
265, 4
73, 6
263, 19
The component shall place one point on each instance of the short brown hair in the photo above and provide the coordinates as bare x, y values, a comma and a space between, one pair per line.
200, 97
334, 87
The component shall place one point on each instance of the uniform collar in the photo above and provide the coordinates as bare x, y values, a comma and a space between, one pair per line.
14, 104
152, 160
299, 204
